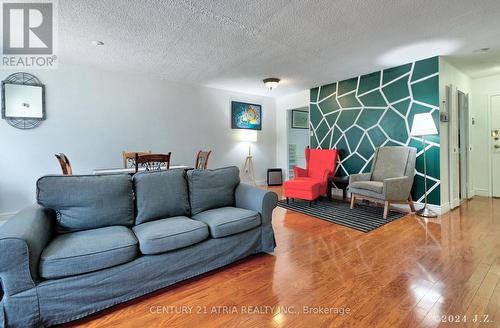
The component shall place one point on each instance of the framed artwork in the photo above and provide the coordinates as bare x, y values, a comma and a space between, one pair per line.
246, 116
300, 119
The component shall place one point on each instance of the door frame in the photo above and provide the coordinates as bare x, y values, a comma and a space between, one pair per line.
288, 120
464, 142
451, 106
458, 156
490, 143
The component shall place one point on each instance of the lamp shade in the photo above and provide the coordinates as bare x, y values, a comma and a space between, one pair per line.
247, 135
423, 125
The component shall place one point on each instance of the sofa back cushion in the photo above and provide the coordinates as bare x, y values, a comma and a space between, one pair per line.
160, 195
212, 188
88, 201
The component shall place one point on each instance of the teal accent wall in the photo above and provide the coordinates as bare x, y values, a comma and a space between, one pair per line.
360, 114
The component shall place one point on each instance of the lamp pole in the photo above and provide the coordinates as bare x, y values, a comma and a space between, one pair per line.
425, 212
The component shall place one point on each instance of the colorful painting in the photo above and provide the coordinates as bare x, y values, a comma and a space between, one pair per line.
246, 116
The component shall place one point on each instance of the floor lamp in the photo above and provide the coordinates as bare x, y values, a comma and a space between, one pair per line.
249, 136
423, 125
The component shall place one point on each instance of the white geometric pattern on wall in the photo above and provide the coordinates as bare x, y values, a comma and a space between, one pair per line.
361, 114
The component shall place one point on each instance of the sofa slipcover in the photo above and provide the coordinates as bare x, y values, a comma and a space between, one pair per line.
226, 221
29, 300
80, 252
161, 236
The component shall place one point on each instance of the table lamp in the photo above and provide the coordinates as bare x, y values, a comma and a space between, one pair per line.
423, 125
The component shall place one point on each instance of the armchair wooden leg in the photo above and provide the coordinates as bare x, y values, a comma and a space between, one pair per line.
353, 200
412, 205
287, 200
310, 203
387, 204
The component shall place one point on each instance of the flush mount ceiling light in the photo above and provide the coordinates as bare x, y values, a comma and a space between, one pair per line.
97, 43
481, 50
271, 82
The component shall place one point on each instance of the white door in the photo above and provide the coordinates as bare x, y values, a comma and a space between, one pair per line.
495, 145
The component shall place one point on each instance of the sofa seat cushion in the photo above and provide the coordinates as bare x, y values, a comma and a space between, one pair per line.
80, 252
376, 186
225, 221
165, 235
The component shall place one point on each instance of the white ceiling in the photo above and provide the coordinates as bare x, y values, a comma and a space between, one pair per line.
235, 44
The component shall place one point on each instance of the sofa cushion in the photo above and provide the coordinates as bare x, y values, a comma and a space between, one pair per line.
212, 188
302, 184
168, 234
88, 202
160, 194
376, 186
228, 220
80, 252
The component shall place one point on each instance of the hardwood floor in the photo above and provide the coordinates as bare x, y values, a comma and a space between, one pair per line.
408, 273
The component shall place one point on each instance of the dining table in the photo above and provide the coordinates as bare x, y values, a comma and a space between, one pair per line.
131, 170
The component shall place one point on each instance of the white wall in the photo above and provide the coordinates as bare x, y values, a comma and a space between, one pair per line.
93, 115
448, 74
283, 104
482, 89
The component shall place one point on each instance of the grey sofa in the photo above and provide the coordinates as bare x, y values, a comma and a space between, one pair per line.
390, 179
95, 241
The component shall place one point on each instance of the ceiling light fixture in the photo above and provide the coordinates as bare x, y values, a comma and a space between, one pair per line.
271, 82
97, 43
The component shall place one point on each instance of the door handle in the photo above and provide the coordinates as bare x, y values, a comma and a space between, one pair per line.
496, 146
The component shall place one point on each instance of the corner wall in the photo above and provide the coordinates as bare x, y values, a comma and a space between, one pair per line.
450, 75
283, 104
363, 113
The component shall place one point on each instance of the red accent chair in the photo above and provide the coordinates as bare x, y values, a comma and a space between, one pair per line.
312, 182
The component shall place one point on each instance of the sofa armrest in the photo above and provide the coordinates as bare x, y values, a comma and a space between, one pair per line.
22, 240
397, 188
359, 177
299, 172
264, 202
259, 200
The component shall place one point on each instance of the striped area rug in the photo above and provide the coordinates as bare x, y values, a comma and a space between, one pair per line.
362, 218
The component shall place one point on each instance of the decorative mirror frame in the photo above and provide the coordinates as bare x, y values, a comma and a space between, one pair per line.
22, 78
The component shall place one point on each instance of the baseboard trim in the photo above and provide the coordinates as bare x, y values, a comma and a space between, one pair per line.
482, 192
438, 209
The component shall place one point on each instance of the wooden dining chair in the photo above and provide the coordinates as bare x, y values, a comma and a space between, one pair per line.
152, 162
129, 157
202, 160
65, 164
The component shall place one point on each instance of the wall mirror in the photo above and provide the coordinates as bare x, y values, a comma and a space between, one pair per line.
23, 100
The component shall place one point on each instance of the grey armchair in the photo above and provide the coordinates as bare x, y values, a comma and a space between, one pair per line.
390, 179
